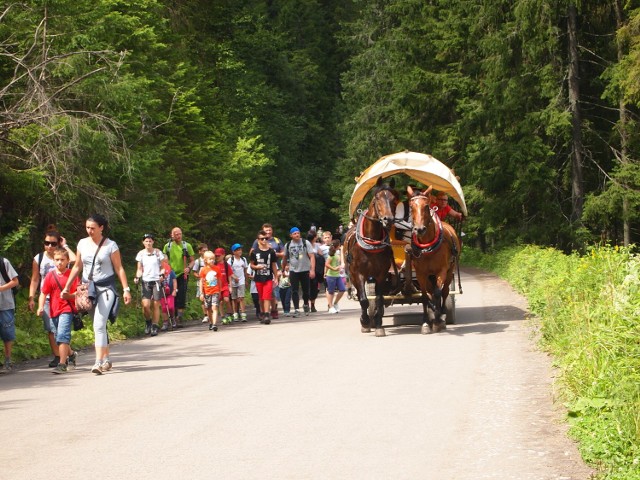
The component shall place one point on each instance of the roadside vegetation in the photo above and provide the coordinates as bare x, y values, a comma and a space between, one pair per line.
588, 310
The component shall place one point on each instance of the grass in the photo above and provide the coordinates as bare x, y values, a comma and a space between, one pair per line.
588, 307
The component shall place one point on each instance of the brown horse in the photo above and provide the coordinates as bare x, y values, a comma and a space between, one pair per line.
368, 252
435, 249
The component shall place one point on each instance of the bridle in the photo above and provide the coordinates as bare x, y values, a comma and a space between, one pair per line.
418, 248
373, 245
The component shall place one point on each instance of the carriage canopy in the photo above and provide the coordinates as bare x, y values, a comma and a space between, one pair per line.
418, 166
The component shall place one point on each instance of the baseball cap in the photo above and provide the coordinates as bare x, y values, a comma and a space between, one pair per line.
235, 247
148, 235
294, 230
219, 251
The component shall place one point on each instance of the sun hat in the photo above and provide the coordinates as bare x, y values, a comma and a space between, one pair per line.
235, 247
294, 230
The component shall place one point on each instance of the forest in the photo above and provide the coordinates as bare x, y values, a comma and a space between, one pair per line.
220, 115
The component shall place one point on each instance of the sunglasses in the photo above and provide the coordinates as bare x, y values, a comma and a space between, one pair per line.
262, 238
50, 244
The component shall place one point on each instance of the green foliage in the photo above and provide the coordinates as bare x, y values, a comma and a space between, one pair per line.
589, 313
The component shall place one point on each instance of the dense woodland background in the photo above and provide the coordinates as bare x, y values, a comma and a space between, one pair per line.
219, 115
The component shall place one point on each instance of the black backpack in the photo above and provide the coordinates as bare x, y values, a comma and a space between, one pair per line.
320, 261
5, 276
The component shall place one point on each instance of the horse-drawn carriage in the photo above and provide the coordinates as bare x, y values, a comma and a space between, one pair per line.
419, 266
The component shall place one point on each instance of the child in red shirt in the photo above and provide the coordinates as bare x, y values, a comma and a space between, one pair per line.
210, 286
62, 309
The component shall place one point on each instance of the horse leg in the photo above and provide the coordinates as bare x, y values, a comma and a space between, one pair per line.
440, 317
377, 318
365, 320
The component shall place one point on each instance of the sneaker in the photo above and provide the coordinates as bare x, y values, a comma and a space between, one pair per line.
97, 368
306, 309
71, 361
147, 327
154, 330
313, 309
174, 325
333, 310
296, 313
336, 307
6, 368
267, 319
243, 317
287, 314
54, 363
274, 314
164, 328
61, 368
106, 365
215, 328
236, 317
211, 326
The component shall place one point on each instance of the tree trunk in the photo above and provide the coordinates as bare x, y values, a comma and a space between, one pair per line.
623, 123
577, 147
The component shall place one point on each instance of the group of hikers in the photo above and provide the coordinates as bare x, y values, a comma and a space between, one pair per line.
274, 272
61, 279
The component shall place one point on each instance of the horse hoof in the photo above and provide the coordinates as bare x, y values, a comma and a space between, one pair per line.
438, 327
365, 330
425, 330
380, 332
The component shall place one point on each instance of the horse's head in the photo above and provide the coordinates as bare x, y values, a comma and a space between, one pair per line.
384, 202
420, 204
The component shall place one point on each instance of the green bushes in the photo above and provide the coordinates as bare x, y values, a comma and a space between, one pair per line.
589, 311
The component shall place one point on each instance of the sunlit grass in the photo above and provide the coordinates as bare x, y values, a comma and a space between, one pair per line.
588, 307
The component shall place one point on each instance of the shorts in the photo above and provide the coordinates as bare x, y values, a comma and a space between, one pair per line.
225, 293
333, 283
151, 290
8, 325
168, 303
198, 292
237, 292
212, 300
64, 321
265, 290
46, 319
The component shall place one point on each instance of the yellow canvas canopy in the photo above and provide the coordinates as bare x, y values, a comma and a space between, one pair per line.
419, 166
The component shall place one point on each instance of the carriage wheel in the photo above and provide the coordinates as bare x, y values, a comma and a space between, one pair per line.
450, 309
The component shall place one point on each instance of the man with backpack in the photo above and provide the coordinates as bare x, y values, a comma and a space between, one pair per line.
181, 259
300, 256
8, 281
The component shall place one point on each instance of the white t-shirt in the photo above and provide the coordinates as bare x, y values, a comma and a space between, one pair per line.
151, 264
103, 268
238, 267
46, 266
6, 297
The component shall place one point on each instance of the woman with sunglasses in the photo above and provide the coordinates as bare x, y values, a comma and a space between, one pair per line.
42, 264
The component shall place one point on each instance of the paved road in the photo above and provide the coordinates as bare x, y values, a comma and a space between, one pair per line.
311, 398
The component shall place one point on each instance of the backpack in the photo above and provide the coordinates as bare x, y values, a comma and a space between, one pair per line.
287, 245
5, 276
167, 249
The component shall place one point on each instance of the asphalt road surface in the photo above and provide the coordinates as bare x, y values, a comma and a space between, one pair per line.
307, 398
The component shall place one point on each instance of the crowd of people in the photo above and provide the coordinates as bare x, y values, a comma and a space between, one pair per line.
287, 273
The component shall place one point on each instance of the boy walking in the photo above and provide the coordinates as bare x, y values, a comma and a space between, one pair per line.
8, 280
264, 263
210, 286
149, 271
62, 309
239, 270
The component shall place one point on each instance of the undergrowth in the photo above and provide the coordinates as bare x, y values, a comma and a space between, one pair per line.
589, 312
